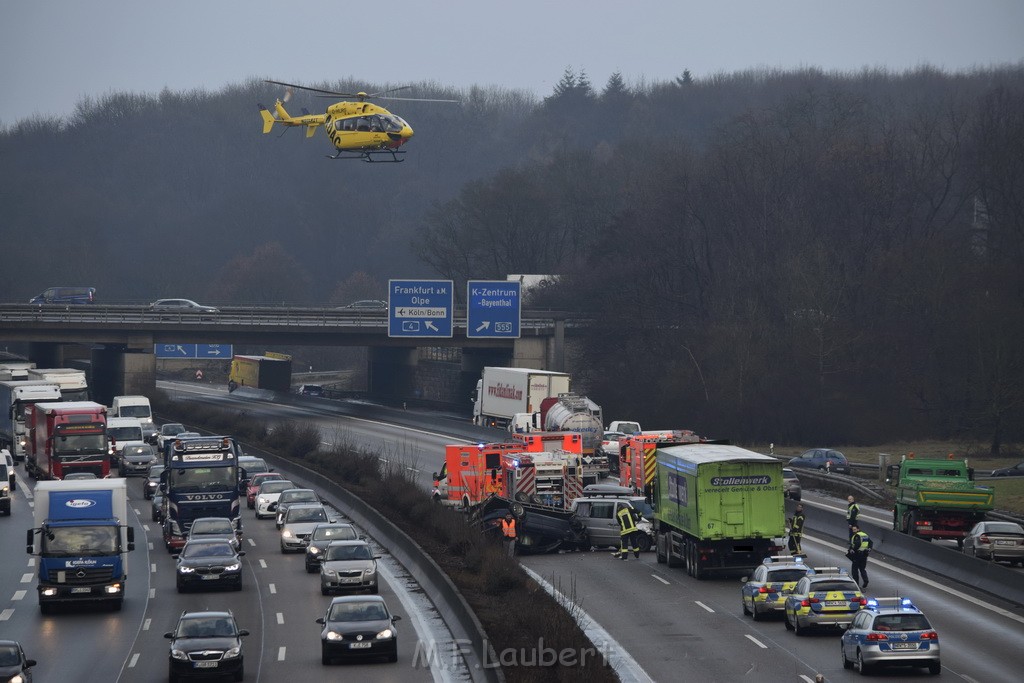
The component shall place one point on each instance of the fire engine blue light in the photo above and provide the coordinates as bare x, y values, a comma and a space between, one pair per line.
515, 463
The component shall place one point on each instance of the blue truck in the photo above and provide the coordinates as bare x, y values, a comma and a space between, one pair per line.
81, 537
200, 479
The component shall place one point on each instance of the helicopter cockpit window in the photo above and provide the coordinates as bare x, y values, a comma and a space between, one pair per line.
392, 124
345, 124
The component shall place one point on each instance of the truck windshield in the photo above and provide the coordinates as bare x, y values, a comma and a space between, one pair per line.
74, 394
80, 540
125, 433
78, 443
197, 479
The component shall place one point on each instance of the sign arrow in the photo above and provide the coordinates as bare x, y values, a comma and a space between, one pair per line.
430, 326
483, 326
182, 349
214, 352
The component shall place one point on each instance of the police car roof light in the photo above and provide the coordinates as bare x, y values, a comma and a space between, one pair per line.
829, 570
780, 558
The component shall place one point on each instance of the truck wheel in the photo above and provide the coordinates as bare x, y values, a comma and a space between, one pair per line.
518, 509
912, 524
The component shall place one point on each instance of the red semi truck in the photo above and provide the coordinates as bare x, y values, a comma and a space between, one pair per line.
67, 437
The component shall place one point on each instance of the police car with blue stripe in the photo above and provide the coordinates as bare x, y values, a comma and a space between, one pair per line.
764, 592
890, 632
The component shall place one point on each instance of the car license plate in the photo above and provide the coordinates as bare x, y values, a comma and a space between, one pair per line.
348, 580
210, 577
81, 590
361, 646
835, 603
904, 646
205, 665
1006, 542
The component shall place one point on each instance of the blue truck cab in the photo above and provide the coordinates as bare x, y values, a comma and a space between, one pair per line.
200, 479
81, 537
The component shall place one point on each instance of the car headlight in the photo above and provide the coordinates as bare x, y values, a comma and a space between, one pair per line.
334, 635
178, 654
233, 567
313, 550
233, 652
385, 634
286, 534
182, 569
4, 489
330, 572
263, 500
371, 571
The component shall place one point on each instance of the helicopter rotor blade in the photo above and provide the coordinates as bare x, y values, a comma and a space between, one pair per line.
417, 99
288, 92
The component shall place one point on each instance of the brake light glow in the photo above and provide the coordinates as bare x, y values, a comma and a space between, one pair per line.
876, 636
929, 635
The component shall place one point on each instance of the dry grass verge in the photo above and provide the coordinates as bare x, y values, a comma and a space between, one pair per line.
535, 638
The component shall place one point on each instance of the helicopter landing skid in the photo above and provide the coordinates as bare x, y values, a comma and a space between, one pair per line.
368, 156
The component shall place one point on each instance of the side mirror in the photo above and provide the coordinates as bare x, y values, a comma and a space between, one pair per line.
29, 663
434, 476
242, 633
320, 620
174, 557
395, 618
376, 557
241, 553
169, 634
744, 579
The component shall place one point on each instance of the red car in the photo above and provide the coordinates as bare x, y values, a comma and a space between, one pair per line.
254, 486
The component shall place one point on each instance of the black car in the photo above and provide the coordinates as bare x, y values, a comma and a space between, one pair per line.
206, 644
14, 666
208, 564
152, 483
136, 459
823, 459
1012, 471
358, 627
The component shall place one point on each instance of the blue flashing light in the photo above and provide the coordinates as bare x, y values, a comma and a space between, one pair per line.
515, 463
872, 603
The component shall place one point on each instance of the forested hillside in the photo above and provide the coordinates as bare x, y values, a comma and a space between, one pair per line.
771, 255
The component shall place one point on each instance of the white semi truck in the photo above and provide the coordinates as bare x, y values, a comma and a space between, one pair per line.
73, 385
503, 393
14, 396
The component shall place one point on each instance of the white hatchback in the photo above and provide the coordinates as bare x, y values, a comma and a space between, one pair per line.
266, 497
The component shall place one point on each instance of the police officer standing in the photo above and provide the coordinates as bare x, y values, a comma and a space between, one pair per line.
852, 512
628, 533
860, 544
796, 531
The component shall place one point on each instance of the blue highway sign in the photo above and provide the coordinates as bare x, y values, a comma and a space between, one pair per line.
208, 351
419, 308
493, 308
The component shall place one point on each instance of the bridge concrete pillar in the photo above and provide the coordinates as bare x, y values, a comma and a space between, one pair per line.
116, 372
46, 354
391, 372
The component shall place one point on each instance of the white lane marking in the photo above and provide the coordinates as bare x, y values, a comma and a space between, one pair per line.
152, 593
627, 668
806, 678
150, 545
704, 606
152, 568
252, 543
146, 624
280, 617
26, 578
263, 564
31, 561
280, 653
928, 582
757, 642
6, 614
137, 511
134, 660
273, 589
145, 527
667, 583
19, 595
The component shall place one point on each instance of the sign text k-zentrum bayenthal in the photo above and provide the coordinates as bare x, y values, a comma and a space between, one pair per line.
420, 308
493, 308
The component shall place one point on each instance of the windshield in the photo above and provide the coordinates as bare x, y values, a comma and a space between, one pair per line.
306, 515
125, 433
133, 411
786, 575
901, 622
206, 627
207, 550
9, 656
79, 443
276, 486
172, 428
74, 394
196, 479
80, 540
349, 552
357, 611
154, 472
1003, 528
218, 526
842, 586
300, 497
344, 533
252, 467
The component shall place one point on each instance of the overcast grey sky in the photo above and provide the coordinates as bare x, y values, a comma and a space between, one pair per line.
54, 52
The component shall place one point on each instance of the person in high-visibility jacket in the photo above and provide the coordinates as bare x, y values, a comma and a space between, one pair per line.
492, 485
628, 533
860, 545
796, 531
508, 532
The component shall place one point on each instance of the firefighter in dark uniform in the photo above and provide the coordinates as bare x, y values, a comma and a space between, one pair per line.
796, 531
852, 512
628, 533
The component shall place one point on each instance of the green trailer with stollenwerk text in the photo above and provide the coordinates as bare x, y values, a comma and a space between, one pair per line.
718, 508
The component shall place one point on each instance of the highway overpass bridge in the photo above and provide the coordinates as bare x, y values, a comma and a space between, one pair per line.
121, 339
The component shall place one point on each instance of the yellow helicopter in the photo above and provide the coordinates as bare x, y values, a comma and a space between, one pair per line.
359, 130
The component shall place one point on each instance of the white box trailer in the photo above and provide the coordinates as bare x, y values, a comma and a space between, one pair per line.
501, 393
